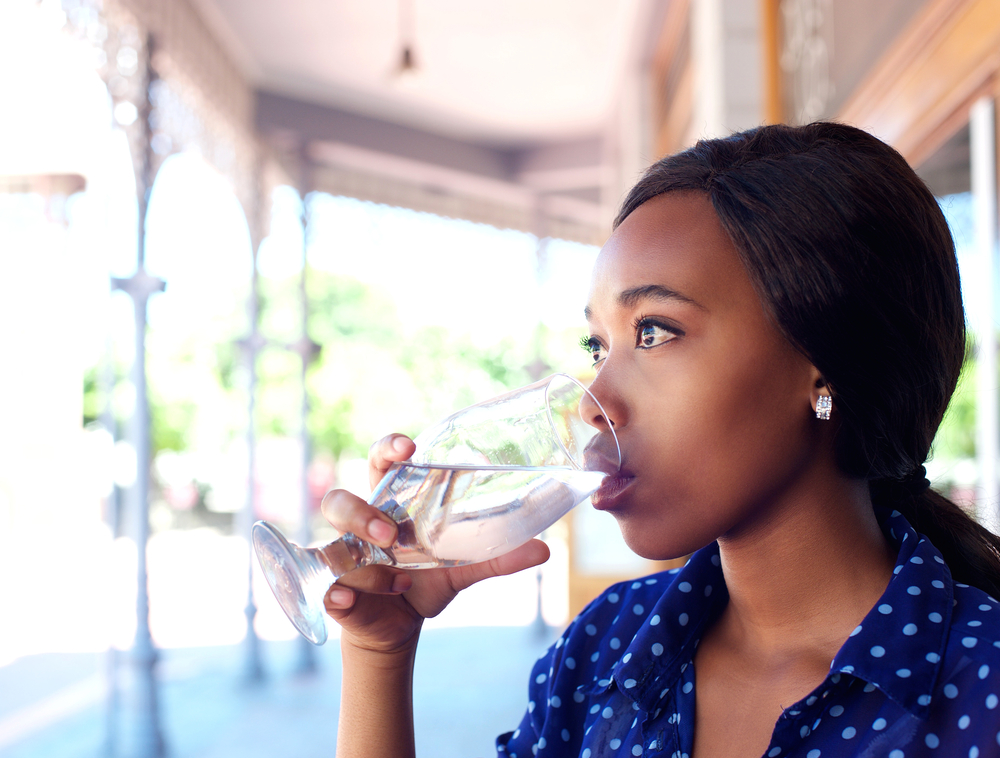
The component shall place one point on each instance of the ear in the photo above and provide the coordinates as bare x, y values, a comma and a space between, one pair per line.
820, 388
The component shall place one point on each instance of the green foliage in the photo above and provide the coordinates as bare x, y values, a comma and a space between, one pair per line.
173, 419
330, 429
93, 396
178, 385
278, 397
374, 376
374, 373
956, 437
342, 308
194, 370
228, 361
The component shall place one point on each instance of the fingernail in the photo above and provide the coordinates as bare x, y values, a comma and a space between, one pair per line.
401, 583
400, 444
379, 530
340, 598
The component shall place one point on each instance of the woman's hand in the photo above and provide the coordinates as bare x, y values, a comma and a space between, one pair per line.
381, 608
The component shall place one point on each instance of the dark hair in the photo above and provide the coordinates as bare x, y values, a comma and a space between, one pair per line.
852, 256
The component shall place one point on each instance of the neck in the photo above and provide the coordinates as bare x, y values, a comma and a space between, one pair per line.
807, 573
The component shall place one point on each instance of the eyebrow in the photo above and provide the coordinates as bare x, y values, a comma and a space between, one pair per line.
631, 297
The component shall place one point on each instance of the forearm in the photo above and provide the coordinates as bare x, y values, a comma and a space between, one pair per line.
376, 704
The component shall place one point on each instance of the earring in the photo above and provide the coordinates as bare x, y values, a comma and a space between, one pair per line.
824, 404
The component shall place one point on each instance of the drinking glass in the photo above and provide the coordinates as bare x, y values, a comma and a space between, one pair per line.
480, 483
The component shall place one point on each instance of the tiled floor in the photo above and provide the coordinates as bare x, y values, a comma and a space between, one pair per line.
471, 684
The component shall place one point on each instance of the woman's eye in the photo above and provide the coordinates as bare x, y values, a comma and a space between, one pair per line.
649, 334
595, 348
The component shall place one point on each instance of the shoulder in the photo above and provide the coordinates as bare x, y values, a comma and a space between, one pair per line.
975, 610
622, 605
669, 604
967, 692
595, 639
581, 661
613, 617
974, 630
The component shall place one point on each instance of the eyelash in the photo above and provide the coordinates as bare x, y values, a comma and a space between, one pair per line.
592, 344
643, 321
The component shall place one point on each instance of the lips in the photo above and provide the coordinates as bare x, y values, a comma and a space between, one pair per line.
612, 490
602, 454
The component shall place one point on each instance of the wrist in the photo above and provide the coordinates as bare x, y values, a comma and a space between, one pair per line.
398, 658
376, 713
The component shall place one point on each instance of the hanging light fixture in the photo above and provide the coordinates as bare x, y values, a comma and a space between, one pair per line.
407, 66
406, 61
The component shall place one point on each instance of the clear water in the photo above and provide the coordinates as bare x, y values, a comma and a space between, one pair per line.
453, 516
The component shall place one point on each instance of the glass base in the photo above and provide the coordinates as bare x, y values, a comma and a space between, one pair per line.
293, 573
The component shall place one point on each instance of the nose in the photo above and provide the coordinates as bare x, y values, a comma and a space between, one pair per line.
594, 414
602, 408
595, 411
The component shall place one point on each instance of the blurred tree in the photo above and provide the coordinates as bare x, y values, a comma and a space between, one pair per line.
375, 376
956, 437
93, 395
372, 376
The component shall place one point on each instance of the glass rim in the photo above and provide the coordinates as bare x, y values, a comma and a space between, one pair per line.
547, 381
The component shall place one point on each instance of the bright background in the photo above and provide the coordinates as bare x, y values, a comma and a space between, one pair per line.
417, 314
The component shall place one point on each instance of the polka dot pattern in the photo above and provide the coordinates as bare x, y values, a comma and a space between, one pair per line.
919, 676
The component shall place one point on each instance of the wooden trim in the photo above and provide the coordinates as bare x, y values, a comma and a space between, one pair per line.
774, 112
948, 127
672, 96
673, 132
918, 94
46, 185
674, 21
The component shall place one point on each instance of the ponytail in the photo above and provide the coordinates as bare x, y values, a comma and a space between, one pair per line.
971, 551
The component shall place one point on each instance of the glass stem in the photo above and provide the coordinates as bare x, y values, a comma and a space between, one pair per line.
350, 552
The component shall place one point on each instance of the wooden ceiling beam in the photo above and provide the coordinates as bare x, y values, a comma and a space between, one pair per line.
919, 92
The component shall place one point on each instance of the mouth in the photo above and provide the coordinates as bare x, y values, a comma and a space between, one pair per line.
612, 490
602, 454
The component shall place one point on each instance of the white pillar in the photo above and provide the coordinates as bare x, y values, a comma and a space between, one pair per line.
982, 129
728, 60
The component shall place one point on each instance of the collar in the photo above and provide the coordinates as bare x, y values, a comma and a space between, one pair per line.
898, 647
666, 641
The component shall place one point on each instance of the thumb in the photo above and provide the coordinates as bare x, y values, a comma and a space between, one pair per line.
530, 554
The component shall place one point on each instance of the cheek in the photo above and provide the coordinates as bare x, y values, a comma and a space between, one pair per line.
762, 431
711, 454
739, 421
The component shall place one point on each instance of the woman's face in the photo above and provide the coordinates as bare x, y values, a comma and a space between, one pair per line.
711, 405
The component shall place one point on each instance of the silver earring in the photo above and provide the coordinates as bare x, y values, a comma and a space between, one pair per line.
824, 404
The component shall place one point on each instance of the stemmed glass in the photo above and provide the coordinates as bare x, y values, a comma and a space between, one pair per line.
481, 482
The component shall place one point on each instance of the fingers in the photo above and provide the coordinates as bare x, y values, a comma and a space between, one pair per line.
375, 580
349, 513
530, 554
338, 599
388, 450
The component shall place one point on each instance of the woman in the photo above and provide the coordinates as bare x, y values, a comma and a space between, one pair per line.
777, 328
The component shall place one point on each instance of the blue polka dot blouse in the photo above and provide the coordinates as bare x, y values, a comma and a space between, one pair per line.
920, 676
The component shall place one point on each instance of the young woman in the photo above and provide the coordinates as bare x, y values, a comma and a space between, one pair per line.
777, 328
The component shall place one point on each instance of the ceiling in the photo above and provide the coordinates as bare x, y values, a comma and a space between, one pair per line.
511, 114
503, 73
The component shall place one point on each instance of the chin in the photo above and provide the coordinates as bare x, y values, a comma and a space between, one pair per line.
659, 542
